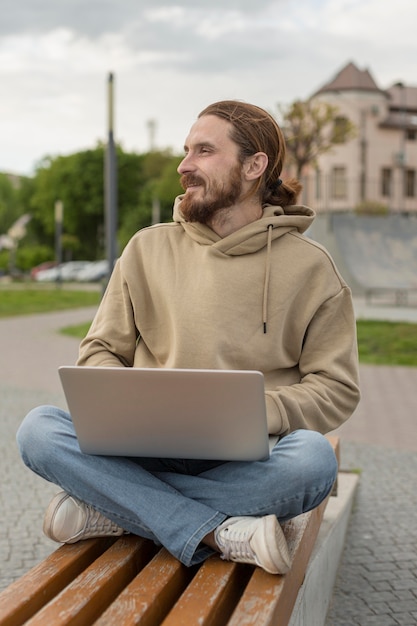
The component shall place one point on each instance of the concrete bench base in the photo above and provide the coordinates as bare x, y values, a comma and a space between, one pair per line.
315, 594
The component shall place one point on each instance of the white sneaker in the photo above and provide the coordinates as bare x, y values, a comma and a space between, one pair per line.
68, 520
255, 540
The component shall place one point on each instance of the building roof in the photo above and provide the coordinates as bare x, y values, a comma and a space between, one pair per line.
403, 98
350, 78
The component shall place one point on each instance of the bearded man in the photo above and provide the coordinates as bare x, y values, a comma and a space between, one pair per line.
231, 283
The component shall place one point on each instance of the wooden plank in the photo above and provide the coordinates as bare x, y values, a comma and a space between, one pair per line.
83, 600
149, 597
212, 594
33, 590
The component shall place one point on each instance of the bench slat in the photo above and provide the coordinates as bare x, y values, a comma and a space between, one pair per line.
33, 590
212, 595
150, 595
83, 599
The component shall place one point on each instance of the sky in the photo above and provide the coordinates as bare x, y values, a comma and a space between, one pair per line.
171, 59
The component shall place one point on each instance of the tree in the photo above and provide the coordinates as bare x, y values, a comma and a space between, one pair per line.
10, 205
161, 183
312, 128
78, 181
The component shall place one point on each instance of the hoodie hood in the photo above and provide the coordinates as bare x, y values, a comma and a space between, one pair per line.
256, 235
274, 223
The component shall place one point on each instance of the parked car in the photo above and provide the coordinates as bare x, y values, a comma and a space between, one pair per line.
47, 265
65, 272
94, 271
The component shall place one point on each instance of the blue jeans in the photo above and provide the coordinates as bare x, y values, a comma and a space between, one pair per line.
177, 502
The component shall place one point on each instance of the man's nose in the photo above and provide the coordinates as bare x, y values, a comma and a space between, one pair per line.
186, 165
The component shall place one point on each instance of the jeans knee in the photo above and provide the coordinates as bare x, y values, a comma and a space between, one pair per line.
32, 437
317, 458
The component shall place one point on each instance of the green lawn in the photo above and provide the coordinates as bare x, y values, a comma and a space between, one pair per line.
389, 343
41, 300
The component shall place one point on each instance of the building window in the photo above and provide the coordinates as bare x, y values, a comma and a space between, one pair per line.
338, 183
340, 126
411, 134
410, 183
386, 181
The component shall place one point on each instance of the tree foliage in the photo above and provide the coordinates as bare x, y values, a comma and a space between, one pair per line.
312, 128
160, 183
11, 204
78, 181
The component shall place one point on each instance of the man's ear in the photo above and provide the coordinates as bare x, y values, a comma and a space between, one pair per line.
255, 165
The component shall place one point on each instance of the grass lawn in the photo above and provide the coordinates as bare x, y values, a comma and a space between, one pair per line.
28, 300
388, 343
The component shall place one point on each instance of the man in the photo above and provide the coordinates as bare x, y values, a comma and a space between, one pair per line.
231, 283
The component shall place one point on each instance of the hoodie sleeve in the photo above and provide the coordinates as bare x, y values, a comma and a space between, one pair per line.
111, 340
328, 391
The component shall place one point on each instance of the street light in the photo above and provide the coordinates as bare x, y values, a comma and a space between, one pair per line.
110, 182
59, 219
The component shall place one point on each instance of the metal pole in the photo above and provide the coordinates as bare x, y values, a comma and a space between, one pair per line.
110, 182
156, 211
59, 219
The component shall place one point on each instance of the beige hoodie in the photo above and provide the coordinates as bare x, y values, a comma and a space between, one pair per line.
265, 297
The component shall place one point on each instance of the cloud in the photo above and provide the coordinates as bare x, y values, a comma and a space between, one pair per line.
95, 17
171, 60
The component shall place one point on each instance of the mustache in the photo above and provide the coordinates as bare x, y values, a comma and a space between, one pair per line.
189, 179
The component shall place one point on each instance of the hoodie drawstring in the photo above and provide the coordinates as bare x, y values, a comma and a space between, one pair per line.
267, 276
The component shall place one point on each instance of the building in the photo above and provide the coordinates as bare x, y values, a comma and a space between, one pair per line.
376, 169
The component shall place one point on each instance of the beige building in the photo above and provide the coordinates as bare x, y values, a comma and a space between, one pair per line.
379, 165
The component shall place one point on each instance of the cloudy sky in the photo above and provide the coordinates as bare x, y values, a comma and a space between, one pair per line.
170, 59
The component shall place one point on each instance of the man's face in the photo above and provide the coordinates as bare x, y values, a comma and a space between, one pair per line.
211, 173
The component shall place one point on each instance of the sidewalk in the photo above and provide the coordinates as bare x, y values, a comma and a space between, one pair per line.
377, 582
377, 579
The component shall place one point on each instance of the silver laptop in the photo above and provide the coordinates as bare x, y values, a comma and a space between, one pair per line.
168, 413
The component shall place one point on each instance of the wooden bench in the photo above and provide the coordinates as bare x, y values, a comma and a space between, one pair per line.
128, 580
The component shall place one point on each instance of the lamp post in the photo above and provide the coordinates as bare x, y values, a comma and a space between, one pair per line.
110, 182
59, 220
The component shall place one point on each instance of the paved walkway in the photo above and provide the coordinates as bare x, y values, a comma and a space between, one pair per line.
377, 582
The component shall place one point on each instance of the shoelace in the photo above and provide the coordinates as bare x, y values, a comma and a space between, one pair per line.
98, 523
237, 544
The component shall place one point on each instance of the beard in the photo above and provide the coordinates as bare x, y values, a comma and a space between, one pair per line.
219, 196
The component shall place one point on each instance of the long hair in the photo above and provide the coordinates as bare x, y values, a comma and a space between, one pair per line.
255, 130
